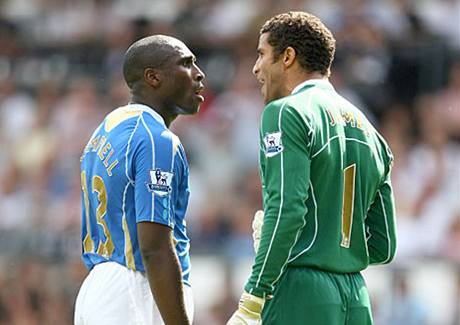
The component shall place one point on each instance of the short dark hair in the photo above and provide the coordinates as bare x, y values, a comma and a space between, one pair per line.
149, 52
311, 39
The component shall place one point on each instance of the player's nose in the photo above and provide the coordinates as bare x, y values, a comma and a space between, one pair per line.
199, 75
255, 68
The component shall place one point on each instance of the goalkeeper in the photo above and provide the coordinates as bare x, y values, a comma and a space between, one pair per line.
327, 195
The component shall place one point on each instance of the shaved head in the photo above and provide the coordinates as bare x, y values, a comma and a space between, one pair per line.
149, 52
161, 72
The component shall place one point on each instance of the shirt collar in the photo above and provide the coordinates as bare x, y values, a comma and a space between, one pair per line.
312, 82
148, 109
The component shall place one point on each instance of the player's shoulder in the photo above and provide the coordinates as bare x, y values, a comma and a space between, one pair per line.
151, 124
158, 133
272, 113
286, 104
385, 148
286, 113
120, 115
173, 139
300, 102
291, 100
149, 127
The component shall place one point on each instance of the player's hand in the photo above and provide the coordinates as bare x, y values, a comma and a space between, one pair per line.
248, 312
257, 223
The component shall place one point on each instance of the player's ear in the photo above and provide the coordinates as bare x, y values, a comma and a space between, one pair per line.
153, 77
289, 56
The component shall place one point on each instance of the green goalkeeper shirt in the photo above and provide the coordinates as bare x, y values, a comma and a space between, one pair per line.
327, 194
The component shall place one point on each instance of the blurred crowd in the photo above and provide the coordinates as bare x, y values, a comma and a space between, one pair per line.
60, 73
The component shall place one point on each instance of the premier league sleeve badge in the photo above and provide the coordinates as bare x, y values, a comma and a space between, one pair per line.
272, 143
160, 182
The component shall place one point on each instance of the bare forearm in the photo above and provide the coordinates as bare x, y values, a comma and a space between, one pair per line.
163, 272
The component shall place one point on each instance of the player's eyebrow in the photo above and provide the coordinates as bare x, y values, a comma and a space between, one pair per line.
187, 59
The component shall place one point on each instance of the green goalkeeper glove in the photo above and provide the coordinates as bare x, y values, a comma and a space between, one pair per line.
257, 223
248, 312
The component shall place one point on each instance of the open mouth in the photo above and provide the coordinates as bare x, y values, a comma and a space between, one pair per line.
199, 93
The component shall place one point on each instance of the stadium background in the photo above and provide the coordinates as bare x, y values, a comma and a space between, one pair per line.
60, 74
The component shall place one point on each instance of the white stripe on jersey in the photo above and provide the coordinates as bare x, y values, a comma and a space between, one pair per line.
386, 227
130, 182
187, 271
153, 163
302, 116
281, 204
130, 263
335, 137
186, 249
316, 226
367, 233
128, 147
305, 220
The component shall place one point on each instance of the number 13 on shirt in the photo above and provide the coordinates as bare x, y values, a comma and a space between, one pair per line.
105, 248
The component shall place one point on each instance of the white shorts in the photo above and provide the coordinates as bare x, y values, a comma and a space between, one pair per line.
113, 294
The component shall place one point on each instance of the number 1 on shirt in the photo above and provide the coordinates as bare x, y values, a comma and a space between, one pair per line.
347, 204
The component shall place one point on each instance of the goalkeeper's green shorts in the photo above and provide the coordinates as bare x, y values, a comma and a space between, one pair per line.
305, 296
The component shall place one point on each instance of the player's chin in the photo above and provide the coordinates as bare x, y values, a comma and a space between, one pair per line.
192, 105
198, 100
192, 108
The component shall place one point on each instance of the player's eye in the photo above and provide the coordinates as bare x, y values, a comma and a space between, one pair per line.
187, 63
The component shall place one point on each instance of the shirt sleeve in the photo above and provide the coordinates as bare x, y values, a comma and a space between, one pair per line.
285, 173
155, 179
381, 225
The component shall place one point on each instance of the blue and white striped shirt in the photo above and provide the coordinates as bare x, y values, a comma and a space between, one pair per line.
133, 169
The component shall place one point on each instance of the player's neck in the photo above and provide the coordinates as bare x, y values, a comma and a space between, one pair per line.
296, 79
167, 114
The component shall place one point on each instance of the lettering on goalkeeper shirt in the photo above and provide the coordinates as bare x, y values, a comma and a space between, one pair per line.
272, 143
160, 182
344, 117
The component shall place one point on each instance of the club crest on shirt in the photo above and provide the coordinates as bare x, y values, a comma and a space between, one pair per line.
160, 182
272, 143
